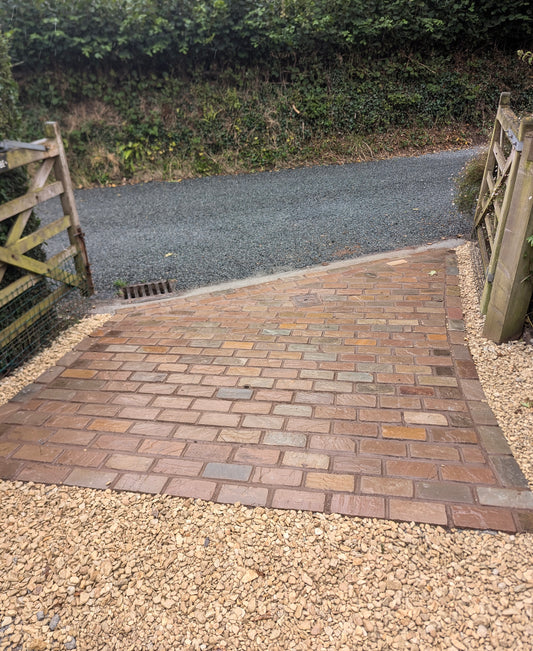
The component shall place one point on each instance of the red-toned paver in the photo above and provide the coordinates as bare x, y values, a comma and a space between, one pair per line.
348, 388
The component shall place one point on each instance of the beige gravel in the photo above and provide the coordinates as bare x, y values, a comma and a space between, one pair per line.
125, 571
11, 385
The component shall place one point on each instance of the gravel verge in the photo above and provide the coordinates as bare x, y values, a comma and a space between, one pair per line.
29, 372
100, 570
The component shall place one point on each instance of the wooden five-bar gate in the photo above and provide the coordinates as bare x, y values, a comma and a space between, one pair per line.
503, 224
48, 177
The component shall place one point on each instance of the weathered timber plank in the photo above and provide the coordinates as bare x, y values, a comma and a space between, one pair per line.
19, 157
38, 237
30, 200
37, 267
68, 203
17, 287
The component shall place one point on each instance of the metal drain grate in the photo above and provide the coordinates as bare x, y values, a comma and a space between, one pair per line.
148, 290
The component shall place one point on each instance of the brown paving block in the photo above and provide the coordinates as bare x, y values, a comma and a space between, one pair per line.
139, 413
207, 451
274, 395
482, 517
524, 520
308, 425
81, 457
472, 454
249, 495
7, 447
424, 418
356, 400
257, 456
219, 419
386, 448
404, 433
43, 453
149, 428
357, 465
330, 482
311, 397
369, 430
57, 394
262, 408
305, 460
331, 442
298, 500
174, 466
110, 425
417, 391
468, 474
25, 418
363, 506
130, 462
162, 447
43, 473
155, 388
380, 415
108, 411
131, 399
193, 488
68, 421
336, 413
196, 432
10, 469
179, 416
120, 442
387, 486
140, 483
399, 402
472, 389
466, 368
427, 512
434, 451
277, 476
418, 469
263, 422
195, 391
207, 404
229, 435
453, 435
90, 478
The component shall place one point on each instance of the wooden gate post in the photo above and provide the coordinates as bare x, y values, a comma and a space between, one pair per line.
513, 280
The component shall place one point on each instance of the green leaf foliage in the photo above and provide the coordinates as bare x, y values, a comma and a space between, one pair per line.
165, 33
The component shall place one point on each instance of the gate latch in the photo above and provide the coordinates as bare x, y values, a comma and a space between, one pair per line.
7, 145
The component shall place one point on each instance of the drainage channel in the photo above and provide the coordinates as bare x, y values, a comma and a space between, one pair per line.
148, 290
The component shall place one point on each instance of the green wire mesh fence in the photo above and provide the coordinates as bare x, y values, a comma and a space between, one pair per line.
32, 319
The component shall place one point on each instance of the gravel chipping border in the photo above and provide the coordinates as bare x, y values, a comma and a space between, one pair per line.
505, 370
29, 372
88, 569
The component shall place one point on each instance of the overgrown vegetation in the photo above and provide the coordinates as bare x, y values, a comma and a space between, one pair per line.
167, 89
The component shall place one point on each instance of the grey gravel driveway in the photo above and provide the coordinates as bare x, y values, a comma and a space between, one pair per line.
211, 230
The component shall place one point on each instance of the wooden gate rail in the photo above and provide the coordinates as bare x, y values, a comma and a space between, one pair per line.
503, 221
43, 164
